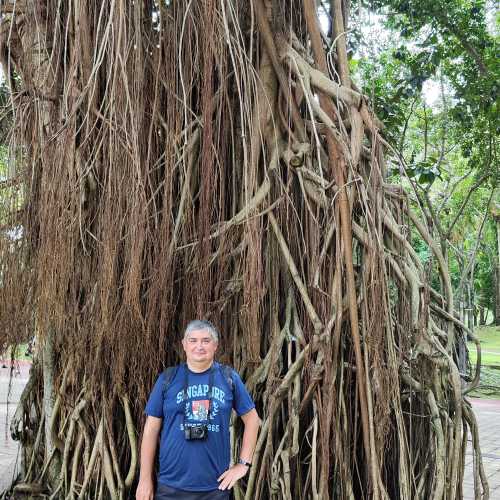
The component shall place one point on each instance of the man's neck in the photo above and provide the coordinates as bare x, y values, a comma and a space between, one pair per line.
199, 367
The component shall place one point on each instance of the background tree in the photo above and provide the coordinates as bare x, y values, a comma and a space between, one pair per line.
496, 219
450, 150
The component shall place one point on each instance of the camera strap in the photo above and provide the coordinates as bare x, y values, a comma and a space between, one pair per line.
210, 385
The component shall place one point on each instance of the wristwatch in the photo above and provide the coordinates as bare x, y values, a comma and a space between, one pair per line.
244, 462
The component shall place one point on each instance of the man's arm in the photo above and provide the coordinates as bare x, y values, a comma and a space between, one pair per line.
251, 422
145, 488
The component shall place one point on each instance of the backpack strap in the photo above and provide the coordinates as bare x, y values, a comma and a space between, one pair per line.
169, 374
227, 371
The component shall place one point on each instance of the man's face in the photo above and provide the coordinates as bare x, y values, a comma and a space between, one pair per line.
199, 346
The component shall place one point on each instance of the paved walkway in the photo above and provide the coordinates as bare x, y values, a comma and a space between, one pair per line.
10, 392
487, 412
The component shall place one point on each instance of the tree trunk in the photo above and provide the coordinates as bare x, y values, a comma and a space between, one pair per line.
483, 312
48, 368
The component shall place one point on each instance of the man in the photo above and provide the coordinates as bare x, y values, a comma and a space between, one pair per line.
192, 411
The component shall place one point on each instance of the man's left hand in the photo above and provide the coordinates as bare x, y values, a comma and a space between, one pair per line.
228, 479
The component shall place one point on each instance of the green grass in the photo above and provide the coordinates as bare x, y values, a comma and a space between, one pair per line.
489, 385
19, 354
489, 337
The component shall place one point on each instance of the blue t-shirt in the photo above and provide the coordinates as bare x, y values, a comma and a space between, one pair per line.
195, 465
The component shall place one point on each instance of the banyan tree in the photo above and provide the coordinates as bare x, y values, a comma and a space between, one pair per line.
183, 159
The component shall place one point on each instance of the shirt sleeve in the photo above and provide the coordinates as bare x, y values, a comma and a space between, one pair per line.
154, 406
242, 401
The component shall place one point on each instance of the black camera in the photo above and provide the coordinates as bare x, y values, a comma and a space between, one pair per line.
198, 431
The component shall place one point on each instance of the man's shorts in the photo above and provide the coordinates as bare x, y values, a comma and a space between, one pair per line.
164, 492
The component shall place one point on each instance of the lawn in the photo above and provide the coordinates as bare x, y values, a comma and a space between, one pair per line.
20, 353
489, 337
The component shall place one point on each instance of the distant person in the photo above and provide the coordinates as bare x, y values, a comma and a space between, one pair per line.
189, 409
30, 348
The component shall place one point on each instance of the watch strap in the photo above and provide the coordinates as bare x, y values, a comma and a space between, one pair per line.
244, 462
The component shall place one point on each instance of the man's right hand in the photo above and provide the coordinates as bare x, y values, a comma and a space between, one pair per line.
145, 490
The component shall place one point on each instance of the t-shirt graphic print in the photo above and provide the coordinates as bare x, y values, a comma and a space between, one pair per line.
199, 410
195, 465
